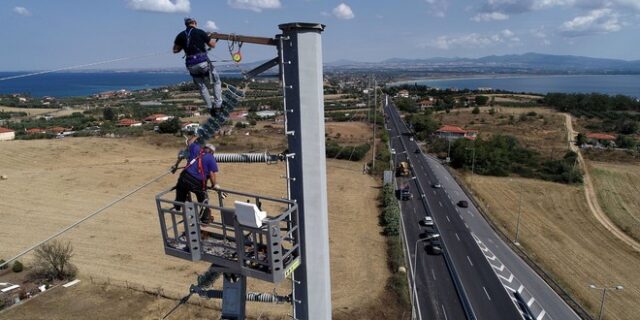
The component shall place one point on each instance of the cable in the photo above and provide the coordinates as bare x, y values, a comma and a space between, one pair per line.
80, 66
85, 218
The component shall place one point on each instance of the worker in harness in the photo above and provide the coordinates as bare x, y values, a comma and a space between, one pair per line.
201, 166
194, 42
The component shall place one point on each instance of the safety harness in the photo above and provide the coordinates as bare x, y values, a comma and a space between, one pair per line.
199, 57
198, 159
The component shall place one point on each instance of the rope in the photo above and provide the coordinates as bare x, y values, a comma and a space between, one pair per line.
80, 66
85, 218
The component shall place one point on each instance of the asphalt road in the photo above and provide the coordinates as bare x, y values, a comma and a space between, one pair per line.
487, 296
435, 294
491, 273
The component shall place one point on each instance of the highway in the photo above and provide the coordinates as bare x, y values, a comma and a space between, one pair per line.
490, 272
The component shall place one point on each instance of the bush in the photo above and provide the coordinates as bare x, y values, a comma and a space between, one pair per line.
475, 110
17, 267
5, 266
482, 100
170, 126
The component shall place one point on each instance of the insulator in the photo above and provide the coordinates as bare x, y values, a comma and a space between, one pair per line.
267, 297
245, 157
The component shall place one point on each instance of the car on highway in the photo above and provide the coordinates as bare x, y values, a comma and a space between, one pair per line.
426, 221
436, 186
434, 247
463, 204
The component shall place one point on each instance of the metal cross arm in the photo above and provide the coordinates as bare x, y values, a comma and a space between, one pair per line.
245, 39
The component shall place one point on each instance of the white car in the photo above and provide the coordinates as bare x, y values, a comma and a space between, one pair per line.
427, 221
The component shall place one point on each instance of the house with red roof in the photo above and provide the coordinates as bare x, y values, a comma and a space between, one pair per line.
452, 133
36, 131
128, 123
7, 134
157, 118
600, 140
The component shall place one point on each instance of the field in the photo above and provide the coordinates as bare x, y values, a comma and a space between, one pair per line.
543, 132
560, 233
53, 183
617, 188
29, 111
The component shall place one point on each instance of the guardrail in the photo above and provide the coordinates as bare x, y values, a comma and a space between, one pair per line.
564, 295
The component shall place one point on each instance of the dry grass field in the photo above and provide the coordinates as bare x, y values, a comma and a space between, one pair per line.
53, 183
349, 132
617, 186
560, 233
30, 111
544, 132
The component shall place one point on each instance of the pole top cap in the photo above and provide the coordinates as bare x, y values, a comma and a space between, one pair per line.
301, 26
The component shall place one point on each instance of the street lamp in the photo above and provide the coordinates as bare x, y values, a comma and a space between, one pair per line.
604, 292
473, 160
414, 293
515, 241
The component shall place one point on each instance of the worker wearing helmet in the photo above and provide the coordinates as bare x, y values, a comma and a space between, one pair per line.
194, 42
201, 166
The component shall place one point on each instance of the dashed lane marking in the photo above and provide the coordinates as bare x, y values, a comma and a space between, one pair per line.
469, 259
457, 236
448, 219
541, 315
440, 203
433, 274
487, 293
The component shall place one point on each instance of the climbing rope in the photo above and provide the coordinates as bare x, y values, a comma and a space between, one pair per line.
93, 214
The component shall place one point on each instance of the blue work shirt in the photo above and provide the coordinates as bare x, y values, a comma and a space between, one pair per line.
208, 162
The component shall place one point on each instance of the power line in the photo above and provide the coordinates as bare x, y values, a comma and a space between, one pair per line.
112, 203
81, 66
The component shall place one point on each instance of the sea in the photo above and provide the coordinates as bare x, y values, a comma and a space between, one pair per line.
71, 84
628, 85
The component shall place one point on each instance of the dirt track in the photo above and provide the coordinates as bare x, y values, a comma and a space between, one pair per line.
53, 183
590, 193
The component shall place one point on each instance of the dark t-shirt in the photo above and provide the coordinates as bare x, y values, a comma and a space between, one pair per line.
198, 40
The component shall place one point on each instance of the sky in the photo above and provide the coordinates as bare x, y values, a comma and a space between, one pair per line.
47, 35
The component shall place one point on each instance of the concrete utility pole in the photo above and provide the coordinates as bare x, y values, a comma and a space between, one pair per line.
302, 68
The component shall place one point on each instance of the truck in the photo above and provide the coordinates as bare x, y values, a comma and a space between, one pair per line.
403, 169
404, 193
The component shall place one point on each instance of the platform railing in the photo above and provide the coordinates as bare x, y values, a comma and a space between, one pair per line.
270, 252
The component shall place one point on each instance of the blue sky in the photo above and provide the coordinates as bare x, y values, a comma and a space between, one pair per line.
43, 35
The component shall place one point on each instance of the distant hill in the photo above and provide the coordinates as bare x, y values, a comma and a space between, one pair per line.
528, 62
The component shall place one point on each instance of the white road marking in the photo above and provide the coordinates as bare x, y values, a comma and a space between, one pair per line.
414, 211
448, 219
457, 236
509, 288
440, 203
487, 293
531, 301
507, 279
446, 177
520, 289
466, 225
541, 315
433, 274
499, 269
434, 192
471, 263
444, 312
492, 258
471, 213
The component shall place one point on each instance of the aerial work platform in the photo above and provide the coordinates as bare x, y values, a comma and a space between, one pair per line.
249, 235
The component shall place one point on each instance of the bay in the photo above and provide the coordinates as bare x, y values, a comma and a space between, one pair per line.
628, 85
68, 84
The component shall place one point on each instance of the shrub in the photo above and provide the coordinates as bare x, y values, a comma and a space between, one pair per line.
482, 100
475, 110
5, 266
170, 126
17, 267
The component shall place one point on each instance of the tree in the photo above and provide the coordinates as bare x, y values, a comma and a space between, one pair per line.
482, 100
4, 266
581, 139
17, 267
626, 142
108, 114
475, 110
170, 126
53, 261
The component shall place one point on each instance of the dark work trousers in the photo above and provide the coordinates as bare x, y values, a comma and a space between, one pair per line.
188, 183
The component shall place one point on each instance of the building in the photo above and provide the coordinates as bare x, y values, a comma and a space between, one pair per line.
600, 140
36, 131
403, 94
453, 133
157, 118
7, 134
129, 123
